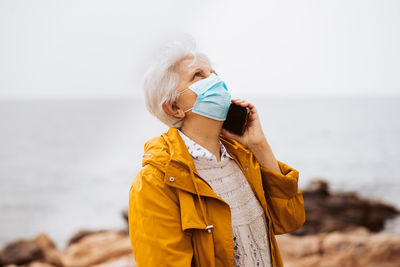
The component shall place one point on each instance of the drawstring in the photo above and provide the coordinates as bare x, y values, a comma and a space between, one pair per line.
208, 227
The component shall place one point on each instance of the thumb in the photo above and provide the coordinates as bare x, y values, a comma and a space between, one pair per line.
228, 134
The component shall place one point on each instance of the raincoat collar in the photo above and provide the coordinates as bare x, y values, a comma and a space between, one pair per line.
180, 160
170, 155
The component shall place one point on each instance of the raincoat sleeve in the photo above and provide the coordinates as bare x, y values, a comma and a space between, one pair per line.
155, 228
285, 201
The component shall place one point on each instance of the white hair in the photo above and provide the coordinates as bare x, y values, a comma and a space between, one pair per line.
161, 79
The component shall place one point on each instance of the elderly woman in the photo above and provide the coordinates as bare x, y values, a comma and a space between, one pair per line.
204, 196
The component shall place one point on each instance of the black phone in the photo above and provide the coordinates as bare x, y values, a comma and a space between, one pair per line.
236, 120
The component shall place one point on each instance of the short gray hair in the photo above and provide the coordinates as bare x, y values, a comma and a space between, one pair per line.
161, 79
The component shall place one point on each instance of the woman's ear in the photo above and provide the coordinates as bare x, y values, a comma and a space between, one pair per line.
173, 110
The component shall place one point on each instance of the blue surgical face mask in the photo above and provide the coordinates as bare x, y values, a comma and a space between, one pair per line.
213, 99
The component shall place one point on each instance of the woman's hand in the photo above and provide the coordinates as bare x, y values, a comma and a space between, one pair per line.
254, 139
253, 135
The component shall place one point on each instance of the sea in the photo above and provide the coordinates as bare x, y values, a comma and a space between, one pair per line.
67, 164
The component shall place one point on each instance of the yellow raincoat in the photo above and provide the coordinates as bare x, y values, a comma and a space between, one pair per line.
176, 219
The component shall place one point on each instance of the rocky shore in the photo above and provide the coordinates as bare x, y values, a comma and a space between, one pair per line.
342, 229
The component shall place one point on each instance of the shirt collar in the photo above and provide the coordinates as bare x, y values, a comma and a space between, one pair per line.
197, 151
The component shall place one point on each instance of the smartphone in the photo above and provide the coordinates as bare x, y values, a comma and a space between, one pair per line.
236, 120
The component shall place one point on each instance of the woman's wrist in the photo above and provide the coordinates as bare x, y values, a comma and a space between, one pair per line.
263, 153
259, 146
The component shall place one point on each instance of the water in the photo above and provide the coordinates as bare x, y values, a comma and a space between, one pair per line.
66, 165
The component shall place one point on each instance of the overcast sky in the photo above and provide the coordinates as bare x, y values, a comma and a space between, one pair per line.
101, 48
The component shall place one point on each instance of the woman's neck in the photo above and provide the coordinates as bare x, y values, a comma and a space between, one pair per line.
205, 132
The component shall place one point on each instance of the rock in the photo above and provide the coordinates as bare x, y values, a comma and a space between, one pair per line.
39, 264
358, 247
327, 212
32, 264
81, 234
41, 249
125, 216
50, 251
21, 252
97, 248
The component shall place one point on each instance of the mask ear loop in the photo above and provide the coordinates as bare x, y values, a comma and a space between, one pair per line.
181, 92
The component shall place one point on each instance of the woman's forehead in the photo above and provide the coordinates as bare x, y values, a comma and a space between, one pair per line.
187, 65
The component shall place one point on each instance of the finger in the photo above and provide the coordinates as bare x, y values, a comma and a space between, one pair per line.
244, 103
240, 102
251, 106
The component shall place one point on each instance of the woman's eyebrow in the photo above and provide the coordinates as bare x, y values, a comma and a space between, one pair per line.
199, 69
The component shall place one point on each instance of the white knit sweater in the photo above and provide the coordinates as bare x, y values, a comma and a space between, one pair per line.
249, 227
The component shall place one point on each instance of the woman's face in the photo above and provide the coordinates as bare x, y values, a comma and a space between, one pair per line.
189, 74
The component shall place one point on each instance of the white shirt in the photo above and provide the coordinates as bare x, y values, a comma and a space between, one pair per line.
197, 151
